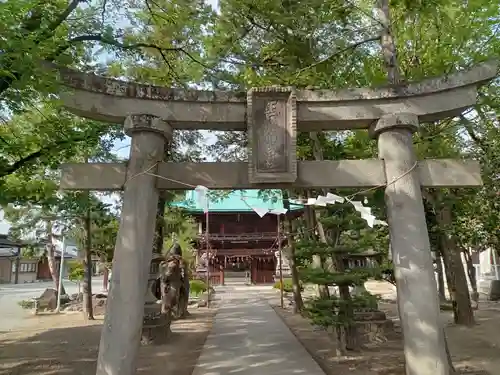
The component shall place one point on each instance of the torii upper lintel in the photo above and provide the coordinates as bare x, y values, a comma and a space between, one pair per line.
432, 99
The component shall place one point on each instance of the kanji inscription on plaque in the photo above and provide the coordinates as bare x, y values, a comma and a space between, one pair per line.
271, 119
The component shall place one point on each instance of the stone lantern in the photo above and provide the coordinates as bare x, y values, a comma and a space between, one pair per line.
155, 325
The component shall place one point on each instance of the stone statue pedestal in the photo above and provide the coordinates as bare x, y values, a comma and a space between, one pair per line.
373, 326
155, 325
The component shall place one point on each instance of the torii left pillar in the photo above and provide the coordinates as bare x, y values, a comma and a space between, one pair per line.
121, 333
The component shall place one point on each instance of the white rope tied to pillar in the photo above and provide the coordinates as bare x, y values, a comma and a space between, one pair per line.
323, 201
202, 197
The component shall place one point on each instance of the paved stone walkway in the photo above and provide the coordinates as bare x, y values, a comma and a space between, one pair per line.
249, 338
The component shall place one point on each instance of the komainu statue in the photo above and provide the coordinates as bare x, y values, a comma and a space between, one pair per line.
155, 325
174, 284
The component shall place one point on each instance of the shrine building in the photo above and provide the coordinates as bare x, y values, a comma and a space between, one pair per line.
241, 243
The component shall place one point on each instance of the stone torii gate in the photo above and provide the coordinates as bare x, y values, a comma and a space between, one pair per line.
272, 116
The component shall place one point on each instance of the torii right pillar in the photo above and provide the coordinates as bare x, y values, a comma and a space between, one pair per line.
418, 303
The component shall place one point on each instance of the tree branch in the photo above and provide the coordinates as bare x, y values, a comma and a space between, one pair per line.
64, 15
115, 43
32, 157
339, 52
32, 25
470, 131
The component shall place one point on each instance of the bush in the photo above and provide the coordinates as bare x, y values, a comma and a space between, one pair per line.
197, 287
366, 300
287, 285
76, 271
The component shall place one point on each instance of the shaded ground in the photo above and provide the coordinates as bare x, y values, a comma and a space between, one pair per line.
65, 344
474, 350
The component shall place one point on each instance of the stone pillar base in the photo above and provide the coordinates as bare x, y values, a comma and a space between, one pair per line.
156, 326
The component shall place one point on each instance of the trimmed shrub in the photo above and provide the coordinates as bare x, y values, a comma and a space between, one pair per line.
197, 287
287, 285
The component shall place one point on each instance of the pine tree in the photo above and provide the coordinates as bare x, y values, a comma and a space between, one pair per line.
346, 235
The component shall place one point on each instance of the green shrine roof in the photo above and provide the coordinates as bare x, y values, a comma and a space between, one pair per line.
236, 201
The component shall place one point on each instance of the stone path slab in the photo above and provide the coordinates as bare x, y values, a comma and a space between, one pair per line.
249, 338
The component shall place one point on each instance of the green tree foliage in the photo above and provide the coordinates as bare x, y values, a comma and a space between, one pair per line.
182, 229
104, 225
197, 287
76, 271
344, 266
36, 134
70, 34
34, 144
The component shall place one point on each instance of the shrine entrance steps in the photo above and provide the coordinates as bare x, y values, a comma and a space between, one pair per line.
249, 338
233, 281
234, 275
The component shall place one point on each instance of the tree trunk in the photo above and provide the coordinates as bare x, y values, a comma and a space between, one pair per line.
160, 212
184, 303
297, 295
17, 265
450, 284
317, 262
323, 291
105, 278
160, 224
317, 149
471, 273
471, 270
440, 277
87, 264
51, 259
389, 52
341, 341
346, 310
460, 299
